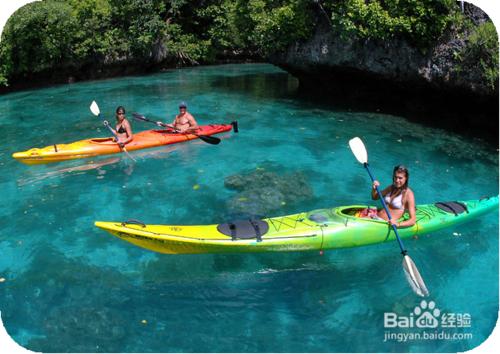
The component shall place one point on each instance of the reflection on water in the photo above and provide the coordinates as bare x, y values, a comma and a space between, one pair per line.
33, 175
36, 177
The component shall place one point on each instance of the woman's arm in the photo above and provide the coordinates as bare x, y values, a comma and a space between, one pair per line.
107, 125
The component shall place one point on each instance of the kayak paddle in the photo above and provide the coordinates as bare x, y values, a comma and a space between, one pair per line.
206, 138
94, 108
410, 269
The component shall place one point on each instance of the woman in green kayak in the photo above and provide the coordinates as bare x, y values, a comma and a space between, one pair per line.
398, 198
123, 129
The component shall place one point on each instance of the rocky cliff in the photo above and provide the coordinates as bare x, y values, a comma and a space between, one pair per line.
427, 85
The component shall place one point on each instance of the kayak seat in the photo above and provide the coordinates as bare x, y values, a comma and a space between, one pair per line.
452, 207
244, 229
356, 211
102, 140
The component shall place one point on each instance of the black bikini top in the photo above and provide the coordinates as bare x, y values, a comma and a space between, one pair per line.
122, 130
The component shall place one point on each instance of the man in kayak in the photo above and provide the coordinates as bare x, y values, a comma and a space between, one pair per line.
398, 197
123, 129
184, 122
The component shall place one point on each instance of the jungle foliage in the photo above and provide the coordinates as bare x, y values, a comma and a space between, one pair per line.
82, 35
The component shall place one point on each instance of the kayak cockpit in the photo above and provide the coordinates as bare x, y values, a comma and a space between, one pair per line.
355, 211
351, 210
359, 212
103, 140
340, 215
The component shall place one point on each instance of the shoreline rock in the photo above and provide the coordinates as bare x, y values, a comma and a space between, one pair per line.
397, 78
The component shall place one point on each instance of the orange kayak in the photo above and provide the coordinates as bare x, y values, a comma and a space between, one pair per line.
106, 146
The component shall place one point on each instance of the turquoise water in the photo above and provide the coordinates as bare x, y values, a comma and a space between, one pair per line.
69, 287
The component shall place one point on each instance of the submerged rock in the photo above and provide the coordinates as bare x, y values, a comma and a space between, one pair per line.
84, 329
261, 192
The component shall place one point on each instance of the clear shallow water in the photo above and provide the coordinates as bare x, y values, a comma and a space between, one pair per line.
70, 287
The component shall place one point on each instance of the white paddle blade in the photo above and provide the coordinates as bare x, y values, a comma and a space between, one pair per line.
359, 150
94, 108
413, 276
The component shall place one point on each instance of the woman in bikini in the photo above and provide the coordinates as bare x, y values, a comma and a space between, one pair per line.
123, 129
398, 197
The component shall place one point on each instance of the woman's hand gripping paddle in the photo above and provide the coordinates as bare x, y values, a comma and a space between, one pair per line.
94, 108
411, 271
206, 138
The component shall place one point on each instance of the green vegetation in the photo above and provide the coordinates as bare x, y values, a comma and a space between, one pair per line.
271, 24
50, 35
44, 31
482, 50
80, 36
88, 34
255, 26
421, 22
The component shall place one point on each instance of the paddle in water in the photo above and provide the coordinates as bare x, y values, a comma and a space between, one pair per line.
206, 138
411, 271
94, 108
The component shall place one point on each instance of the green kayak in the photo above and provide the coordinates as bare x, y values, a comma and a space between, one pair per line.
315, 230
